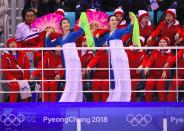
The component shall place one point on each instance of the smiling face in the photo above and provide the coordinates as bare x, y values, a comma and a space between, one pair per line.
29, 17
113, 22
162, 43
65, 25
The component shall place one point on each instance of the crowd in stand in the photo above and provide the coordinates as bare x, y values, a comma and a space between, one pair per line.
143, 64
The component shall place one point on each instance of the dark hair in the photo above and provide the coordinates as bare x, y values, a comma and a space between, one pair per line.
110, 17
63, 20
28, 10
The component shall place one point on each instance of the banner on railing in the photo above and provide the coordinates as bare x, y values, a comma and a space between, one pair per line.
92, 116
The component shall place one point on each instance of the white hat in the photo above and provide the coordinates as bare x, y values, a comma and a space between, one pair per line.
119, 11
142, 13
172, 12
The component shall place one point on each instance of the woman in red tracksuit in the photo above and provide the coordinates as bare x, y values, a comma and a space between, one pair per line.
137, 59
157, 59
145, 26
119, 13
15, 60
85, 55
176, 84
100, 60
52, 59
168, 27
180, 33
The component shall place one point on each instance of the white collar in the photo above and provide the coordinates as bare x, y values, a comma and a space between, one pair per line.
123, 22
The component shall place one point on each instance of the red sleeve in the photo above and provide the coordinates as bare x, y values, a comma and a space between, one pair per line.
178, 29
144, 60
172, 61
170, 56
41, 39
100, 32
150, 59
76, 27
127, 37
60, 72
5, 64
182, 32
151, 29
36, 72
158, 30
94, 61
26, 66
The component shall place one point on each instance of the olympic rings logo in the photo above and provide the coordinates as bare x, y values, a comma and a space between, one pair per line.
12, 119
142, 120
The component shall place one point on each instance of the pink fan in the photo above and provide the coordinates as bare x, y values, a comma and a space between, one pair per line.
99, 18
50, 20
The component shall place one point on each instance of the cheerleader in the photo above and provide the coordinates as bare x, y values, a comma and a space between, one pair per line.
168, 27
155, 78
179, 59
72, 64
119, 61
15, 60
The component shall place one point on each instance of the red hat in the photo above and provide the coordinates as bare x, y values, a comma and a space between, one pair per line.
118, 11
172, 12
166, 39
60, 11
142, 13
9, 40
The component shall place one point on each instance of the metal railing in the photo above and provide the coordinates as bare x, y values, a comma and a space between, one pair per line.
91, 80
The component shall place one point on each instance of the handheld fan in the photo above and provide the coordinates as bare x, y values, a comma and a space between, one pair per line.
99, 18
50, 20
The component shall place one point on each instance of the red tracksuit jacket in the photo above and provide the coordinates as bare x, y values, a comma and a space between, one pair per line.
86, 58
181, 33
10, 62
164, 30
180, 62
100, 60
50, 60
136, 58
146, 32
157, 59
123, 24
